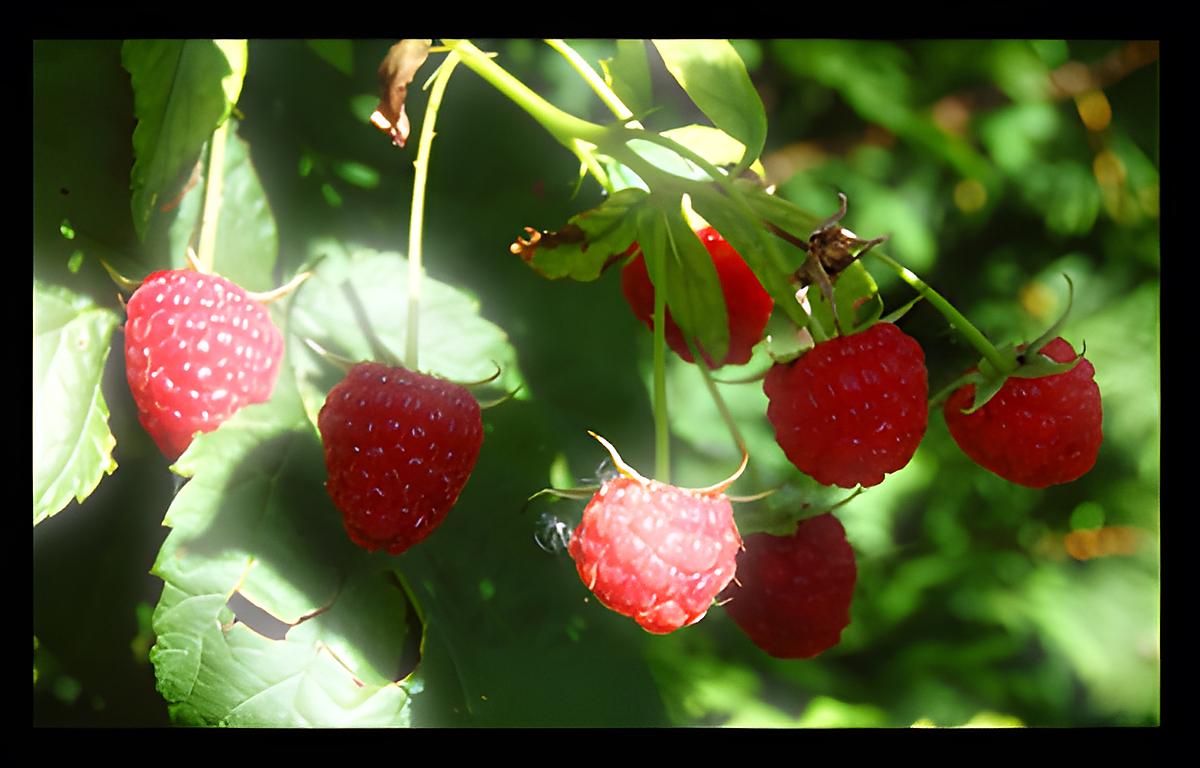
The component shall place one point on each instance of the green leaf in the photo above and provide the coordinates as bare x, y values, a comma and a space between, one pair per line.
183, 89
357, 174
628, 74
746, 236
247, 240
589, 241
456, 342
72, 445
715, 78
714, 145
338, 54
255, 520
782, 213
694, 293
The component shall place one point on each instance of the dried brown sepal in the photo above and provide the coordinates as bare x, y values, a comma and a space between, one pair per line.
396, 71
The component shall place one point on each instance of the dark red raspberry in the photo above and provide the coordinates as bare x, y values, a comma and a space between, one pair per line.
853, 408
747, 304
197, 350
792, 594
1034, 432
399, 448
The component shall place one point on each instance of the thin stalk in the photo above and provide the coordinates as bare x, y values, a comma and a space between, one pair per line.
662, 429
956, 318
561, 125
719, 401
416, 225
597, 83
212, 197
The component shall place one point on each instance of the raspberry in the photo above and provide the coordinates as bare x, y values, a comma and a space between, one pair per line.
1034, 432
792, 594
748, 305
853, 408
399, 447
197, 350
654, 552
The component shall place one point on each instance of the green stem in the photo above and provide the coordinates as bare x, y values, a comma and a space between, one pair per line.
206, 253
956, 318
597, 83
561, 125
662, 429
719, 401
416, 225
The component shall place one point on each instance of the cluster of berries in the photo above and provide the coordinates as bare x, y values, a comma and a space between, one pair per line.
400, 446
849, 411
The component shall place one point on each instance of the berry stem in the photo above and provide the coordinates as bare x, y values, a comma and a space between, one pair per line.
719, 401
416, 225
956, 318
212, 197
572, 132
662, 429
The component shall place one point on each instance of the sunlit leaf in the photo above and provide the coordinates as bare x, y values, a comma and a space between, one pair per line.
255, 520
715, 78
628, 73
183, 89
456, 341
72, 445
247, 240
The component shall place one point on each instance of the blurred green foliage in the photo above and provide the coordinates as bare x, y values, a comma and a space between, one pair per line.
996, 166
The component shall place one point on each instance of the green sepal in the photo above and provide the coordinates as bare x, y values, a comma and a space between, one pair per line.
748, 239
799, 499
1052, 332
853, 286
1035, 366
896, 314
693, 290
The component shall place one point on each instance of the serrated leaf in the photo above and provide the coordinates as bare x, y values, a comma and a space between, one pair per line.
254, 519
588, 242
183, 90
628, 73
693, 289
456, 342
713, 75
247, 239
72, 445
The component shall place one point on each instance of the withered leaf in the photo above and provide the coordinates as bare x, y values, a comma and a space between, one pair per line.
396, 71
589, 243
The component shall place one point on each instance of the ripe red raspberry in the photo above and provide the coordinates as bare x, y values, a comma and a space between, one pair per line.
853, 408
748, 305
197, 350
654, 552
399, 447
1034, 432
792, 594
